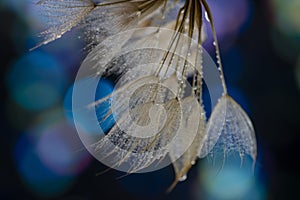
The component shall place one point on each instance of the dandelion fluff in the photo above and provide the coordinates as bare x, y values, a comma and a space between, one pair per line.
155, 113
106, 21
229, 129
98, 20
194, 121
147, 119
62, 16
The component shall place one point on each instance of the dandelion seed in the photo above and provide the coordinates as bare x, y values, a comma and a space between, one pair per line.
229, 129
183, 163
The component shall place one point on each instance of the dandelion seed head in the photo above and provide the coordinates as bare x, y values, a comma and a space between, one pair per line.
157, 112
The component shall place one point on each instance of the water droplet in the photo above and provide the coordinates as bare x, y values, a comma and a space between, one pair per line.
214, 43
193, 162
183, 178
206, 17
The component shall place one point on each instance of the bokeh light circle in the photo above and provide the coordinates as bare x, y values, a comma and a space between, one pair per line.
36, 81
49, 155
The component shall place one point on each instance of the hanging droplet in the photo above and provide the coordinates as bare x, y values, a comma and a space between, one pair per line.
206, 17
183, 178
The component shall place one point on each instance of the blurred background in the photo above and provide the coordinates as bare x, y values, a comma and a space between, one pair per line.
43, 158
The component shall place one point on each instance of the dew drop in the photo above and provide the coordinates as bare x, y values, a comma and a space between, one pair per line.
206, 17
183, 178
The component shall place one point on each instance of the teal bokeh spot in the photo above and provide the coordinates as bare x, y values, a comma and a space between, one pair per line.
36, 81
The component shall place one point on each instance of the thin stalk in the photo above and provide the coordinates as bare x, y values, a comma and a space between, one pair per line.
220, 67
